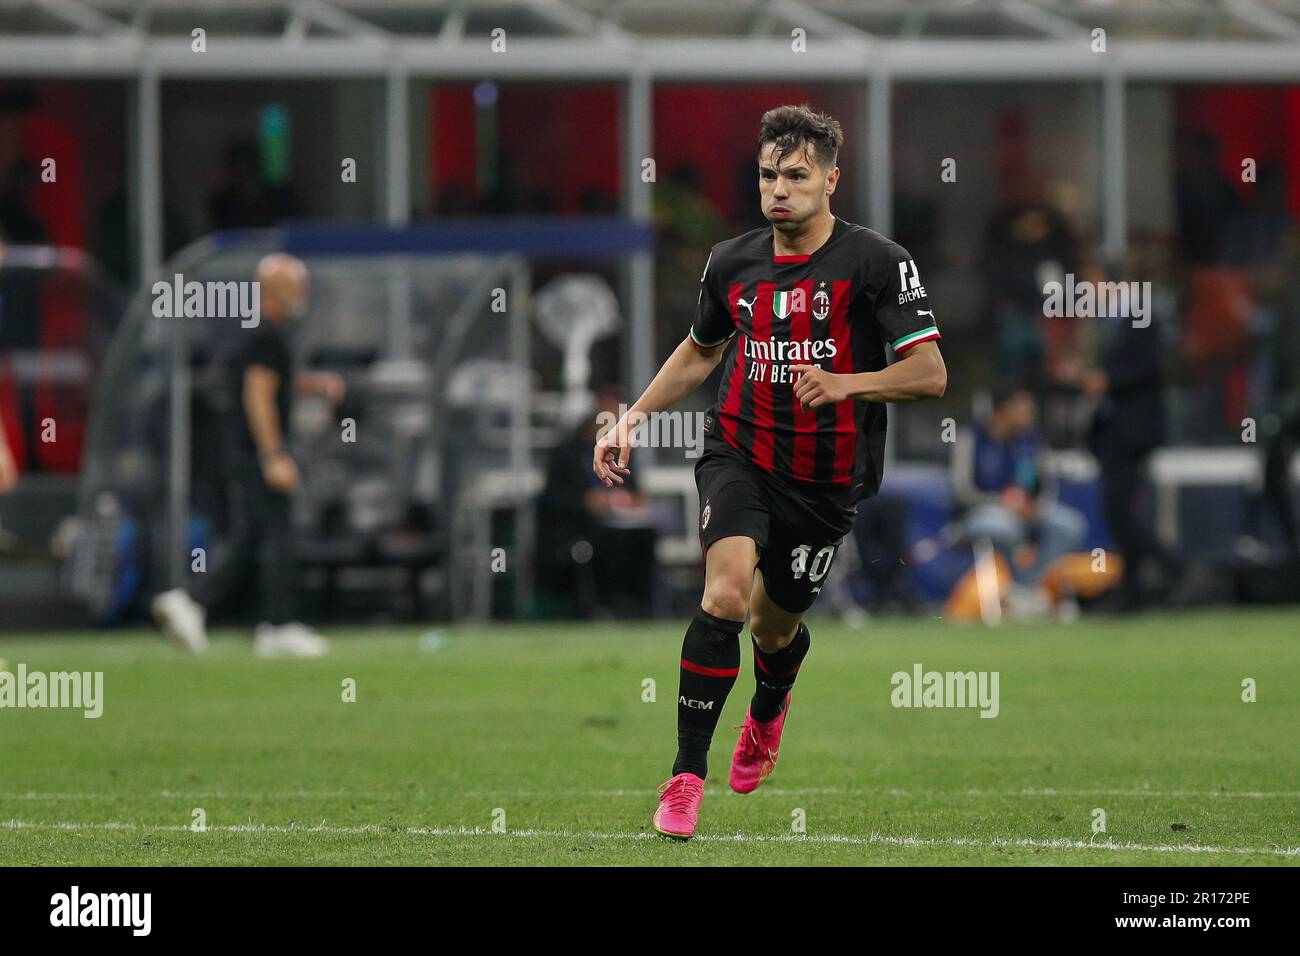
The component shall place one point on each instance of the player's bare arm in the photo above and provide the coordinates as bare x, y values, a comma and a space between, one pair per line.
918, 374
686, 368
264, 422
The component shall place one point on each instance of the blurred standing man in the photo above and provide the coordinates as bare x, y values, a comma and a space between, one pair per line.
800, 313
260, 476
1127, 426
1278, 285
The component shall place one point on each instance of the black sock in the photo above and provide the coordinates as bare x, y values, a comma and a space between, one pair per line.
710, 663
774, 675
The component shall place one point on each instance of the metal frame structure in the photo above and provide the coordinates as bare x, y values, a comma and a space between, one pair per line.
633, 43
506, 248
874, 42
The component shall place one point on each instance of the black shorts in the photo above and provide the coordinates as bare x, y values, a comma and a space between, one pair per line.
797, 532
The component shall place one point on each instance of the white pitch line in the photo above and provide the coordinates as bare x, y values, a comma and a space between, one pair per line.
647, 792
107, 796
873, 839
912, 793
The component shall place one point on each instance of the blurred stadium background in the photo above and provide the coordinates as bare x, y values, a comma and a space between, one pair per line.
522, 171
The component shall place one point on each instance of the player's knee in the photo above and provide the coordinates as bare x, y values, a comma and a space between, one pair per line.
771, 634
727, 597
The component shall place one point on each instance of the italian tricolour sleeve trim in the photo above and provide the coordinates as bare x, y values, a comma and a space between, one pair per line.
913, 338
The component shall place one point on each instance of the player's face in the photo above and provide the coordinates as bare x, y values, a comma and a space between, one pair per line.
797, 190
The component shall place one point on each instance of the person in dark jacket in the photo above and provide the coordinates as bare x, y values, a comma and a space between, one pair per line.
1277, 284
1127, 426
596, 548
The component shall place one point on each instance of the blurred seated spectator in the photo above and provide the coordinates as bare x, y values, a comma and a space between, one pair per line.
1216, 349
20, 289
997, 480
596, 546
1205, 201
243, 199
686, 226
1263, 226
19, 223
513, 193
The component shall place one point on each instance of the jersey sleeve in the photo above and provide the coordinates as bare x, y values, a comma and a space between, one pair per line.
903, 309
266, 350
713, 323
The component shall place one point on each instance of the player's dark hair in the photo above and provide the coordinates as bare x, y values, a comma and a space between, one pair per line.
789, 127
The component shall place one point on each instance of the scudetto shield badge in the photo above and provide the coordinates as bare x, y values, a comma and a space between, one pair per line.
782, 304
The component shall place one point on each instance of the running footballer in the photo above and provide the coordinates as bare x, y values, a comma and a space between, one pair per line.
801, 316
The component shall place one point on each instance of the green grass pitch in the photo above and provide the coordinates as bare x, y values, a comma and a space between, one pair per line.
543, 729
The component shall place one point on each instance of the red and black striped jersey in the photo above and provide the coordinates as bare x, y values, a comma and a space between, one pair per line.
839, 308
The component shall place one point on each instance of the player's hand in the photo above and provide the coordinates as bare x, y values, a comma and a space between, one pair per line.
328, 385
1019, 502
280, 473
817, 387
609, 461
332, 387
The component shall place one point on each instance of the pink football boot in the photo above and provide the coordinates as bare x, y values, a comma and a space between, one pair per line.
755, 756
679, 806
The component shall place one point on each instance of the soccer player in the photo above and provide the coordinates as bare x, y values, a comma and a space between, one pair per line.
260, 476
800, 315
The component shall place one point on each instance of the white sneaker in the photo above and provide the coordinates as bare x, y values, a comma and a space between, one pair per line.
182, 619
288, 640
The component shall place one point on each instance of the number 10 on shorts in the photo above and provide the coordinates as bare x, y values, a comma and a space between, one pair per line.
821, 562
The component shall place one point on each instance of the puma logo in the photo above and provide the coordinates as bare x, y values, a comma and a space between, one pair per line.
749, 305
920, 312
